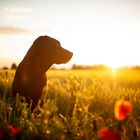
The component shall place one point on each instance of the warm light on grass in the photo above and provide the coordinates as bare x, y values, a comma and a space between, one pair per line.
80, 104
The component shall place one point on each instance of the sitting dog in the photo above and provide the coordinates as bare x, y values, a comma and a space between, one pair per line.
30, 77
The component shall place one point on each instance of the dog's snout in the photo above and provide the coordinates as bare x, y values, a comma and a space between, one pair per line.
68, 56
71, 53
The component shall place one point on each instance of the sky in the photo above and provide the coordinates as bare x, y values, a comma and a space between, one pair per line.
96, 31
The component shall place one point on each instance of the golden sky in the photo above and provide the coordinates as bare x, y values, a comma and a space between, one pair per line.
97, 31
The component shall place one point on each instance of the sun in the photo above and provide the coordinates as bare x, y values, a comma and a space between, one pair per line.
113, 69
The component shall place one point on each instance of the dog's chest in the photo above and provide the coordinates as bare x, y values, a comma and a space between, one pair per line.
28, 76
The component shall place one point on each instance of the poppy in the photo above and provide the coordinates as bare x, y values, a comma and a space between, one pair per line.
1, 132
108, 134
13, 130
122, 108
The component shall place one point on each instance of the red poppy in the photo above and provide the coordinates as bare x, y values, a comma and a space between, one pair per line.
108, 134
13, 131
122, 108
1, 132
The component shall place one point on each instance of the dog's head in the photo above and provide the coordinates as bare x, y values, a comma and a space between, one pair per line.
49, 49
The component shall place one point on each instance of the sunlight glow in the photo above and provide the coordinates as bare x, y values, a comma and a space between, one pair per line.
114, 70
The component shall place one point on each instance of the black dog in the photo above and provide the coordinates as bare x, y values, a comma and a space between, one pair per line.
30, 77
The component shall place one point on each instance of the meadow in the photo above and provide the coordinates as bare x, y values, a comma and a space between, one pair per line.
78, 104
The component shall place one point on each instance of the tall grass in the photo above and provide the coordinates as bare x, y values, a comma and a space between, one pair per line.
78, 104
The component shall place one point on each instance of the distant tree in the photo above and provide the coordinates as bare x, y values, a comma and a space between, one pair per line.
5, 68
76, 67
89, 67
135, 68
13, 66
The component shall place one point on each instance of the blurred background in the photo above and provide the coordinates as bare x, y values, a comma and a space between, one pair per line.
96, 31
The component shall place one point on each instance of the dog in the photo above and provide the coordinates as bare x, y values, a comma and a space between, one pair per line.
30, 77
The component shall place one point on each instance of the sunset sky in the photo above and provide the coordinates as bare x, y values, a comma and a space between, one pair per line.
96, 31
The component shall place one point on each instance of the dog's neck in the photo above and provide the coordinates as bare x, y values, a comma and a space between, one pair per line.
39, 68
45, 68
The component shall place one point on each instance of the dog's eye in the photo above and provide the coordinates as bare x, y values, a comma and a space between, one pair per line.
58, 45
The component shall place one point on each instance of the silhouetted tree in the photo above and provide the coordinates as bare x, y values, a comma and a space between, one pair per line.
13, 66
5, 68
89, 67
135, 68
76, 67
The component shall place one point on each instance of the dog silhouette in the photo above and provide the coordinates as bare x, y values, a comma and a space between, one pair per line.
30, 77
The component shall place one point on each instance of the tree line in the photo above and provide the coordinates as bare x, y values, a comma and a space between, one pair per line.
78, 67
13, 67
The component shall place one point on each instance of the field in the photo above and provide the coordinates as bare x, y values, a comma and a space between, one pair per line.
78, 105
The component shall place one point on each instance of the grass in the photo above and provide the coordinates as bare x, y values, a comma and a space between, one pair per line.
78, 104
